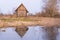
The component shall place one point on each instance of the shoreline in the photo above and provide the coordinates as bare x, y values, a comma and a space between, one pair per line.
41, 21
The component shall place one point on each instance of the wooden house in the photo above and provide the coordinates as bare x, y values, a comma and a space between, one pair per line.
21, 11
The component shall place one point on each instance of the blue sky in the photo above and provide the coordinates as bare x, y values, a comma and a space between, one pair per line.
33, 6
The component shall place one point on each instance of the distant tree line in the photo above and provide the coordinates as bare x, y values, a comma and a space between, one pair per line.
50, 10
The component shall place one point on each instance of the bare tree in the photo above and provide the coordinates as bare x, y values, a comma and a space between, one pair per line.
51, 8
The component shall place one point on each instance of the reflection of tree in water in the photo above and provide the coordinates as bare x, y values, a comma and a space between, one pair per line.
52, 32
21, 30
49, 33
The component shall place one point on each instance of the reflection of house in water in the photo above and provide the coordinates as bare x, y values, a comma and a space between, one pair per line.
21, 11
21, 30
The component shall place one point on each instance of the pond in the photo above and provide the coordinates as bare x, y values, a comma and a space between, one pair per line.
33, 33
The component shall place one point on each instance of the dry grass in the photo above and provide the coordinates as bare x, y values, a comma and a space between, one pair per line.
29, 21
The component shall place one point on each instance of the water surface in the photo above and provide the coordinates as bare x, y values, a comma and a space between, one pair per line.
33, 33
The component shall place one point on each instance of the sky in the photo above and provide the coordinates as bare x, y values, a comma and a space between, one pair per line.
33, 6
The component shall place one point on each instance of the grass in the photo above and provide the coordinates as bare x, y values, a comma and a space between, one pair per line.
16, 19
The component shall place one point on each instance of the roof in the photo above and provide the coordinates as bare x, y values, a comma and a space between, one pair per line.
20, 6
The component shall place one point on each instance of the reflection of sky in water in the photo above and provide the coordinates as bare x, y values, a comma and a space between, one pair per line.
58, 35
9, 34
33, 33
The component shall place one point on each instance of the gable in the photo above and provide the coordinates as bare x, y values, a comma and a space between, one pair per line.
21, 7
